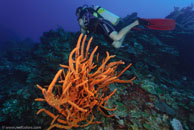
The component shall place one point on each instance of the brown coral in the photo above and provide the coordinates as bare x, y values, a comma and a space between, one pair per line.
75, 94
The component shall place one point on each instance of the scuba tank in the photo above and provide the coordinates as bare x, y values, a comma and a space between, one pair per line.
114, 19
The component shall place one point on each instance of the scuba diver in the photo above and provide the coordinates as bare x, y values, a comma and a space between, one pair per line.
98, 20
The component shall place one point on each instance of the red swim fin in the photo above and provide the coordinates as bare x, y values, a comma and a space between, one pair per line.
158, 24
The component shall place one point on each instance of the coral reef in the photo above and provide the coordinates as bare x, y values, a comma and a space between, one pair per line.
163, 89
15, 62
184, 18
77, 92
54, 49
176, 124
182, 37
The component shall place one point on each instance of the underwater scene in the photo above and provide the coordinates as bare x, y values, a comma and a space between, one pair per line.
97, 65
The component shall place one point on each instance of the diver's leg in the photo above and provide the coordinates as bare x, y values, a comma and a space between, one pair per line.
118, 44
116, 36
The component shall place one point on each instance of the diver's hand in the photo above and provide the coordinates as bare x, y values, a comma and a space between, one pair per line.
83, 30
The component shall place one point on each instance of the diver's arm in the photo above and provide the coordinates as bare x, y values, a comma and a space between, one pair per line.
82, 30
82, 26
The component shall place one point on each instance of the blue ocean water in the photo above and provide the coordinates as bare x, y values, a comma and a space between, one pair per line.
37, 36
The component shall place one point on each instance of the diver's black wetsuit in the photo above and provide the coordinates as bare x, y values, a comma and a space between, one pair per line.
100, 26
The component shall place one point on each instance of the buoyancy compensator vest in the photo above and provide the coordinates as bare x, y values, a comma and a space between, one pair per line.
114, 19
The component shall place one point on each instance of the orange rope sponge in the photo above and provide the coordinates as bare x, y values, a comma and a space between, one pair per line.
74, 94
